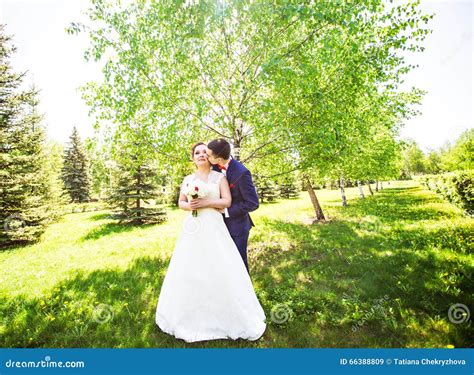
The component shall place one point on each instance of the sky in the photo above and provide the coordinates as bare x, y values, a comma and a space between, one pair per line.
54, 61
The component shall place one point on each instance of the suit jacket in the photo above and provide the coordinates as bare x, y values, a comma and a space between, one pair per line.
244, 198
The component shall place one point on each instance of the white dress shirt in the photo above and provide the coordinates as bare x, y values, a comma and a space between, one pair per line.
224, 171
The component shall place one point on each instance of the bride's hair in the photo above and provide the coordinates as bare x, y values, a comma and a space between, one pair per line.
194, 148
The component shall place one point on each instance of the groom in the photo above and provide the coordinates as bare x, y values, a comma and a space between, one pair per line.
243, 192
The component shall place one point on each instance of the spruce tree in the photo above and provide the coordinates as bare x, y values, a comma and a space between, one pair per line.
134, 188
266, 189
75, 171
24, 187
288, 188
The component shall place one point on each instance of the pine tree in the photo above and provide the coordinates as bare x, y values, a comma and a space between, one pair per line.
134, 189
288, 188
99, 161
54, 155
75, 172
24, 187
266, 189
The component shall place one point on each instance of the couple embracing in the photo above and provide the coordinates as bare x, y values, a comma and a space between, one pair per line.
207, 292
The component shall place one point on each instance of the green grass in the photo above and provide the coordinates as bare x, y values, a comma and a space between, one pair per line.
381, 272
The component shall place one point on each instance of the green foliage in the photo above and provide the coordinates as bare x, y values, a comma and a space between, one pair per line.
132, 196
288, 187
100, 166
283, 82
75, 171
267, 190
53, 164
433, 163
413, 159
456, 157
459, 156
456, 187
27, 195
172, 177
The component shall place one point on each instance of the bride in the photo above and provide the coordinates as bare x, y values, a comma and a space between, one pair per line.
207, 293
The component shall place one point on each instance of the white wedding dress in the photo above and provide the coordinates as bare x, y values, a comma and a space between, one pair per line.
207, 293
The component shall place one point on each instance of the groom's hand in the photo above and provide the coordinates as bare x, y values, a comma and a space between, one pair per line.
198, 203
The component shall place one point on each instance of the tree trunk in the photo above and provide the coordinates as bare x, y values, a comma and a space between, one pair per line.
381, 187
236, 155
137, 204
376, 185
314, 200
370, 189
343, 193
237, 140
361, 192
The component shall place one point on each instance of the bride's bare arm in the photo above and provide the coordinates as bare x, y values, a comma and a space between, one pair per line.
220, 203
183, 202
226, 198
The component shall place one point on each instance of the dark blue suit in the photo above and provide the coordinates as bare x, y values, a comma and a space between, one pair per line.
244, 200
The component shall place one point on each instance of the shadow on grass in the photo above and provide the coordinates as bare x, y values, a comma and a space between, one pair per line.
112, 228
343, 284
106, 308
101, 216
380, 285
66, 317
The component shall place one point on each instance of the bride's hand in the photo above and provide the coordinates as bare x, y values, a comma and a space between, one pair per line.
198, 203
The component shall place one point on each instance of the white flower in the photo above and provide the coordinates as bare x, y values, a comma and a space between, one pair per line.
194, 188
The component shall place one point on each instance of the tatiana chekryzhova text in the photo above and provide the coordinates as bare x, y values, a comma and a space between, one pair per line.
430, 362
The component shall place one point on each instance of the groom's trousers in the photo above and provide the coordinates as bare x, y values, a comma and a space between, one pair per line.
241, 243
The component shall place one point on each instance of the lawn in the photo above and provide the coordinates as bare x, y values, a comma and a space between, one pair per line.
382, 272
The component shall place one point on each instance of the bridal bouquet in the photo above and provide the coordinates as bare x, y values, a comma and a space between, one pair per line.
195, 189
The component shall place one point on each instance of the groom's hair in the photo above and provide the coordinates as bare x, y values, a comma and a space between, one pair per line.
220, 148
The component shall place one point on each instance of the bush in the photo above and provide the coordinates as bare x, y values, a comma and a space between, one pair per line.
456, 187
